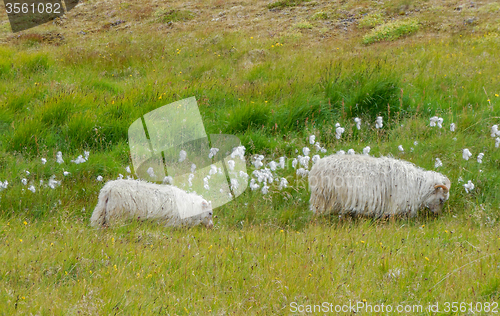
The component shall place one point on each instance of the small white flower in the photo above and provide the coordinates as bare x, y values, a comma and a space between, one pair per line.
151, 172
99, 178
415, 143
282, 162
234, 184
182, 155
315, 159
304, 161
294, 162
24, 181
243, 175
128, 169
32, 188
312, 139
120, 176
265, 189
337, 124
494, 131
357, 120
53, 183
480, 158
469, 186
168, 180
351, 152
440, 122
193, 168
273, 166
254, 186
306, 151
231, 164
379, 122
401, 149
86, 154
44, 161
366, 150
438, 163
433, 121
302, 172
460, 179
497, 142
341, 152
283, 184
338, 132
466, 154
452, 127
190, 179
213, 152
66, 173
213, 170
59, 158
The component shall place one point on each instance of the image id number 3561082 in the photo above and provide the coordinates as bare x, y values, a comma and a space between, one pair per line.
33, 8
478, 307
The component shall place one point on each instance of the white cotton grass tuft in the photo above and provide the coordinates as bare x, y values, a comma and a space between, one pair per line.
401, 149
213, 152
182, 155
438, 163
357, 120
341, 152
53, 183
301, 172
304, 161
466, 154
366, 150
66, 173
452, 127
59, 158
254, 186
99, 178
315, 159
258, 161
273, 165
379, 122
3, 185
497, 142
283, 184
24, 181
306, 151
243, 175
231, 164
312, 139
234, 184
128, 169
433, 120
440, 122
265, 189
168, 180
480, 158
32, 188
469, 186
151, 172
494, 131
294, 163
339, 131
44, 161
238, 151
120, 176
351, 152
281, 163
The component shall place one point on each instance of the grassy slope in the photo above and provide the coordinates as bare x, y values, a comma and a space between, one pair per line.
264, 76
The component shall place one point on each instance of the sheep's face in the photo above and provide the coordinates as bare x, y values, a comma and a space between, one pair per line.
207, 219
436, 199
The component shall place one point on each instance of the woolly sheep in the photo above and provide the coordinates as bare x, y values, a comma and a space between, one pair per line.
368, 186
134, 199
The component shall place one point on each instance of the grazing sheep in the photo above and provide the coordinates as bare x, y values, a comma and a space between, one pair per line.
368, 186
133, 199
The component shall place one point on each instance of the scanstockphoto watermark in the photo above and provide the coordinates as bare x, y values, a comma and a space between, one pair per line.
364, 307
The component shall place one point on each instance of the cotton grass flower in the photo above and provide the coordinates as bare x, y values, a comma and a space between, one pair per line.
469, 186
273, 165
466, 154
99, 178
151, 172
366, 150
44, 161
66, 173
339, 131
254, 186
494, 131
301, 172
193, 168
438, 163
440, 122
213, 152
480, 158
452, 127
32, 188
312, 139
401, 149
265, 189
182, 155
128, 169
433, 120
497, 142
315, 159
357, 120
24, 181
283, 184
341, 152
168, 180
281, 163
53, 183
231, 164
379, 122
59, 158
294, 163
351, 152
306, 151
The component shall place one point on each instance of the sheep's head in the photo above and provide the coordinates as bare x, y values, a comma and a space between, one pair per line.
440, 193
207, 219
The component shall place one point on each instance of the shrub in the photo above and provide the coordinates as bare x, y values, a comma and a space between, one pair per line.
370, 20
391, 31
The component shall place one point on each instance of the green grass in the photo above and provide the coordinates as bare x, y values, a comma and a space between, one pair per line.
266, 251
285, 3
167, 15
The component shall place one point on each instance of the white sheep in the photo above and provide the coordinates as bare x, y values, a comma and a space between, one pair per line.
368, 186
134, 199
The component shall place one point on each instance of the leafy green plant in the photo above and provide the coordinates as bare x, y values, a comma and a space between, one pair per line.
391, 31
